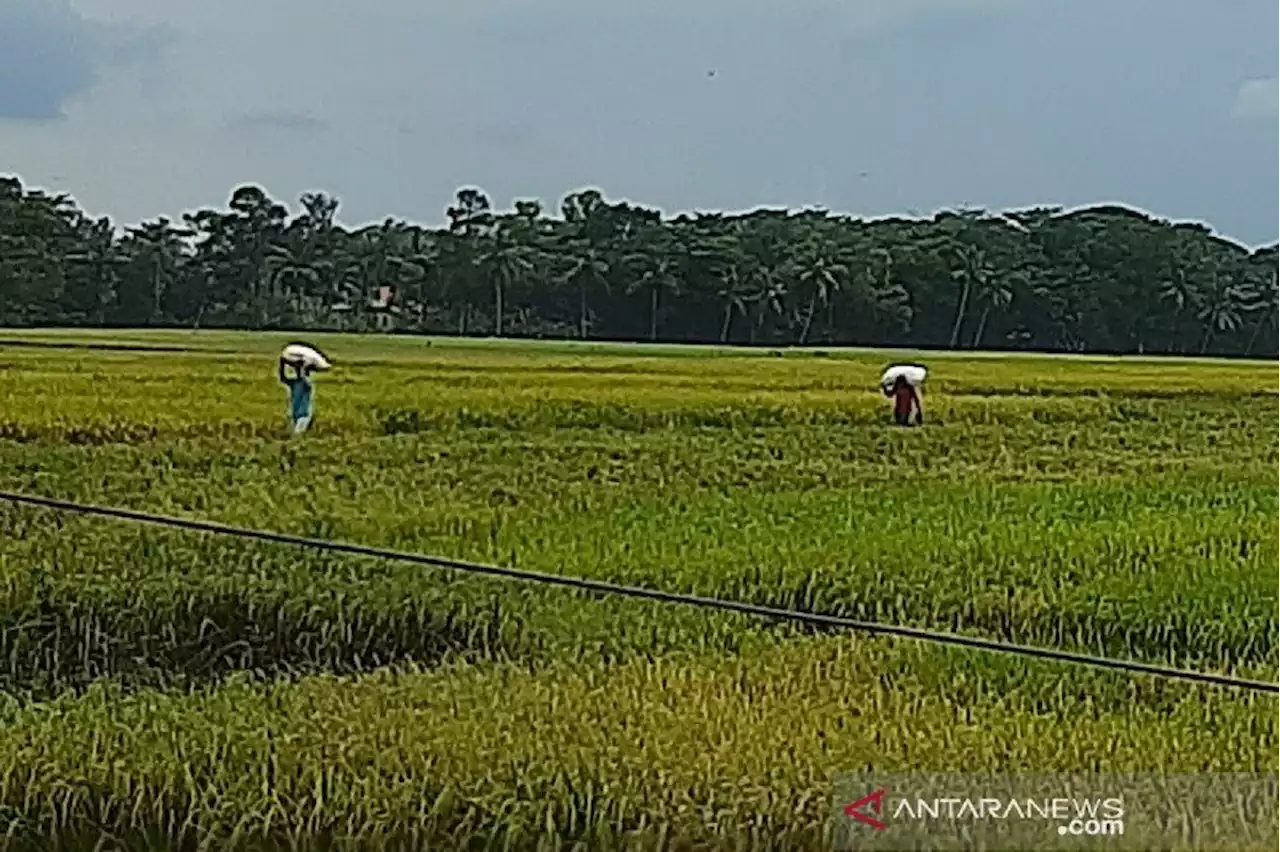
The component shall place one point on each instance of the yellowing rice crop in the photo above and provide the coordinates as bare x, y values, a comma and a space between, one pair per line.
170, 690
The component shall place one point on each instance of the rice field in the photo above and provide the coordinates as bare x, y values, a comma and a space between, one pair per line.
168, 690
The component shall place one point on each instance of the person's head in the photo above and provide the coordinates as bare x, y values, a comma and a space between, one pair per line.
899, 383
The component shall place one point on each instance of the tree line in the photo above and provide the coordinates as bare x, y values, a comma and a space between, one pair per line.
1101, 279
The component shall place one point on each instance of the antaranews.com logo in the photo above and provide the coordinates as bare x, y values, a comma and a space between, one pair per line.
994, 811
1069, 816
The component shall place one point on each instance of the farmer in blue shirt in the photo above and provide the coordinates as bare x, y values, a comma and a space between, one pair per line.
300, 394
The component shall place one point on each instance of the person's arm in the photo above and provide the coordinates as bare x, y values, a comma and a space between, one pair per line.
283, 380
915, 398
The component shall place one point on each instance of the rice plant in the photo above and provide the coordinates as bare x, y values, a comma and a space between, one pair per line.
171, 690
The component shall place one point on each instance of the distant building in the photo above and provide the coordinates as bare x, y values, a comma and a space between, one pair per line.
384, 308
383, 305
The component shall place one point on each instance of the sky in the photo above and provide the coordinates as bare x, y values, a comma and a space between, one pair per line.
143, 108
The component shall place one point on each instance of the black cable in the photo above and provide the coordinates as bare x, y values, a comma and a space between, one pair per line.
606, 587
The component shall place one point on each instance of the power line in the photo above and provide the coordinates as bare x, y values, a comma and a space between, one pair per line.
606, 587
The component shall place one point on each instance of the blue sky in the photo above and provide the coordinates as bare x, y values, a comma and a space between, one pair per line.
142, 108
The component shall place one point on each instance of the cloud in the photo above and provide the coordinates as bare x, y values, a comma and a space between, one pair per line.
274, 120
46, 58
1257, 100
511, 137
50, 54
997, 102
122, 44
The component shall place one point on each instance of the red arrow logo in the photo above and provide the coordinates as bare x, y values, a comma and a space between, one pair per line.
876, 801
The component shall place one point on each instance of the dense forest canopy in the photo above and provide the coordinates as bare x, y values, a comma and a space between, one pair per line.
1103, 279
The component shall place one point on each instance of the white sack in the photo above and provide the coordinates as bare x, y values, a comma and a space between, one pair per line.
300, 353
913, 373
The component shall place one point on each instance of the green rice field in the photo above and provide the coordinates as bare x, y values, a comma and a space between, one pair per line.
169, 690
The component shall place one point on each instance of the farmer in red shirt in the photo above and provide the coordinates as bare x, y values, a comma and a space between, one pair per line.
905, 399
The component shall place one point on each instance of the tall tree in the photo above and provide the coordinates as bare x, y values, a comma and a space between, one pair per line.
1105, 278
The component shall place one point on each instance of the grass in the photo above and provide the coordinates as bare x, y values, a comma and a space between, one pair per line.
1119, 506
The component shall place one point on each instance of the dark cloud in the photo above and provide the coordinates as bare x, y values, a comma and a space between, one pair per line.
274, 120
49, 54
47, 57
